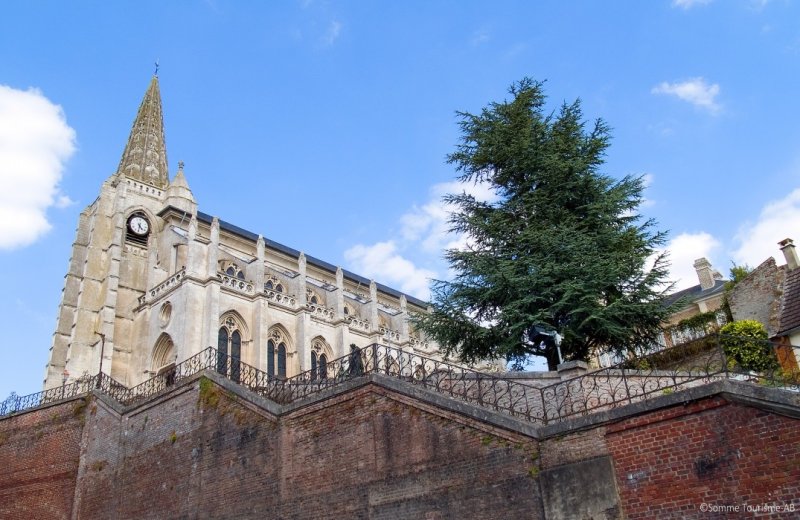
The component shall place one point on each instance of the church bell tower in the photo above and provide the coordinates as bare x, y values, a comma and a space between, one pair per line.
116, 257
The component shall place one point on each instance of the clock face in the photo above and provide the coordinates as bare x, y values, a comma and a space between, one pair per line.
139, 225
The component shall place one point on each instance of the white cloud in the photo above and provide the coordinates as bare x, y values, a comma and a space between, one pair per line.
648, 179
35, 142
382, 262
333, 32
63, 201
688, 4
758, 241
695, 90
423, 232
479, 37
683, 250
428, 224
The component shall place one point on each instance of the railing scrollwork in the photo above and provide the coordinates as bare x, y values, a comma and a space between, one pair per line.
632, 381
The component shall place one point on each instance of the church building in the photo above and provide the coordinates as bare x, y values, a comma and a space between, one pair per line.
153, 281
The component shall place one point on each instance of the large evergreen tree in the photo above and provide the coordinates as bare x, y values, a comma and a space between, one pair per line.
562, 249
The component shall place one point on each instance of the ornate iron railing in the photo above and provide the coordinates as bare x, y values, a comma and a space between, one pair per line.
634, 380
496, 393
694, 364
17, 403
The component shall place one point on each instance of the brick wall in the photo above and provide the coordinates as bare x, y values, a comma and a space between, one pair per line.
574, 447
670, 462
193, 453
374, 454
365, 454
204, 451
39, 454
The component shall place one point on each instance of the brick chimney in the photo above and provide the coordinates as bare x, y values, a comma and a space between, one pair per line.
704, 273
789, 252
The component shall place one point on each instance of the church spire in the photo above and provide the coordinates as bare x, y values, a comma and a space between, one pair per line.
145, 155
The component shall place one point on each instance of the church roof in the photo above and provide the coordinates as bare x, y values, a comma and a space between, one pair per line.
316, 262
145, 155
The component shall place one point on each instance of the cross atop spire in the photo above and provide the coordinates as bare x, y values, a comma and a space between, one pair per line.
145, 155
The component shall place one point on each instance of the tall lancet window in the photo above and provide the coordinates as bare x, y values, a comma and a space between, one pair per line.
320, 354
276, 354
229, 349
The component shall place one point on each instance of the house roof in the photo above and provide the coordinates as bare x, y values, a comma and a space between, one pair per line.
790, 306
695, 293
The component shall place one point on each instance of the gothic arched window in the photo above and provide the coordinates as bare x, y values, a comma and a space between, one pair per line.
319, 359
319, 366
276, 355
273, 285
229, 349
271, 358
313, 297
231, 269
281, 360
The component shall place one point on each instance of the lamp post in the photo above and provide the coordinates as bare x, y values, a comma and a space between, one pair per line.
102, 350
64, 377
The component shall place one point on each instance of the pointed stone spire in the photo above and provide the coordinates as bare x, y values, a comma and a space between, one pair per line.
145, 155
178, 194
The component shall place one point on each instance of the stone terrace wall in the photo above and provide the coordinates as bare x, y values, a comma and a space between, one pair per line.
381, 448
367, 453
39, 457
191, 454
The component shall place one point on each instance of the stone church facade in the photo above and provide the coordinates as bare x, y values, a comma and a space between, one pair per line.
153, 281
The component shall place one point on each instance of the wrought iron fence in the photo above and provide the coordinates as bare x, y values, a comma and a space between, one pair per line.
634, 380
697, 363
16, 403
166, 379
504, 395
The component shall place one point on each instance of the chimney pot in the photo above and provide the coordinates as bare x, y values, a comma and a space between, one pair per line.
789, 252
705, 274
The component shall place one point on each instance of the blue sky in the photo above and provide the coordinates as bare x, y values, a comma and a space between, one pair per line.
324, 125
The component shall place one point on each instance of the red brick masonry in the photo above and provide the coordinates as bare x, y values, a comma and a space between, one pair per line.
211, 451
671, 462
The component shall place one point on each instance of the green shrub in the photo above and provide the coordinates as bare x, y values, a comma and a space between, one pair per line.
745, 343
